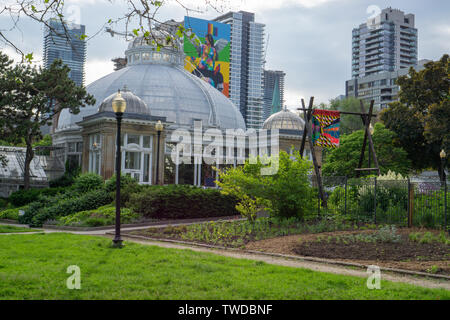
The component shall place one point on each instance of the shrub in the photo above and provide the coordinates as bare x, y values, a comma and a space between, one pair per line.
12, 214
182, 202
3, 203
88, 182
102, 216
23, 197
128, 186
286, 192
63, 181
38, 213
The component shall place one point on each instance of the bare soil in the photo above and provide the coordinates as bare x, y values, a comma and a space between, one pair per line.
433, 257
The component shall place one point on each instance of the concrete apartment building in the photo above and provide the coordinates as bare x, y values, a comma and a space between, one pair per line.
247, 65
383, 48
385, 43
380, 87
273, 92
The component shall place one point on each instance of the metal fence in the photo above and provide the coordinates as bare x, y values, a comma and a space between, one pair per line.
400, 202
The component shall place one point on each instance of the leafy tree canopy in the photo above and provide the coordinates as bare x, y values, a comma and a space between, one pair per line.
421, 118
344, 160
30, 97
349, 123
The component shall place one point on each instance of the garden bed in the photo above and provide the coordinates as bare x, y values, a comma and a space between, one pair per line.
431, 256
409, 249
236, 234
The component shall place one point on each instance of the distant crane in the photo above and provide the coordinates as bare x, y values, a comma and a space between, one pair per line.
123, 34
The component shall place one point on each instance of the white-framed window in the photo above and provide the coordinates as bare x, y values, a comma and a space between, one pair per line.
95, 148
137, 157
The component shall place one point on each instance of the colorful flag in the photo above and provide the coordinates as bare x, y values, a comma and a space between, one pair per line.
325, 128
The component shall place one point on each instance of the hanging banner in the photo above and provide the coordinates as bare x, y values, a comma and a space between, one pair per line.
325, 128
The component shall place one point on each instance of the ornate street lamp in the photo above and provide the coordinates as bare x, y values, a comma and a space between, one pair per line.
119, 106
159, 128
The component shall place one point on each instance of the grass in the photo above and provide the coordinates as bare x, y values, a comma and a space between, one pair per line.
13, 229
34, 267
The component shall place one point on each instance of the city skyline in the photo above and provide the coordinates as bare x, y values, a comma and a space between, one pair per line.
315, 60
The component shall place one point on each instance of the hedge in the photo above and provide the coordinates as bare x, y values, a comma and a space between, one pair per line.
38, 214
12, 214
23, 197
102, 216
182, 202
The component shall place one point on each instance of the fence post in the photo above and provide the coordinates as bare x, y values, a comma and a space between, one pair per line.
375, 201
445, 204
409, 203
345, 202
411, 206
318, 204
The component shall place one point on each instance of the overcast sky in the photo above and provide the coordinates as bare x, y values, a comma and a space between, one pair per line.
309, 39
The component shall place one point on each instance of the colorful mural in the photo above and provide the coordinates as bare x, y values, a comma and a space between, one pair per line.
207, 49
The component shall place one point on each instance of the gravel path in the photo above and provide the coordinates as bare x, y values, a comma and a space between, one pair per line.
322, 267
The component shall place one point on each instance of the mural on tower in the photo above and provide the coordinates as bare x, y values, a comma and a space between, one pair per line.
207, 49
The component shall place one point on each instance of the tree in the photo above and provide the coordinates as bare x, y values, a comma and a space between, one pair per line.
344, 160
421, 118
349, 123
137, 19
30, 98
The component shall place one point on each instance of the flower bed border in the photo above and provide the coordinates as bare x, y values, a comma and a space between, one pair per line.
143, 224
285, 256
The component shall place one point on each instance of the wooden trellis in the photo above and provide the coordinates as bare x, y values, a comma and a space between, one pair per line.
307, 133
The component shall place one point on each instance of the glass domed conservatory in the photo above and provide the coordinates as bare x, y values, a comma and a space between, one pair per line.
156, 87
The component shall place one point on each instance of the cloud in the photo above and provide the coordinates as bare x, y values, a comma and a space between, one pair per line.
96, 69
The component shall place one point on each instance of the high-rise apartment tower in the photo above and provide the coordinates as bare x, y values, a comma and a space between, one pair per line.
387, 42
67, 46
247, 65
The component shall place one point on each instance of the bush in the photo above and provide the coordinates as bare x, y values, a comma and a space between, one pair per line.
3, 203
64, 181
128, 186
102, 216
88, 182
39, 213
182, 202
23, 197
285, 193
12, 214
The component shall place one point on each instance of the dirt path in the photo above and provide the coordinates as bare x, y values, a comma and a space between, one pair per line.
297, 263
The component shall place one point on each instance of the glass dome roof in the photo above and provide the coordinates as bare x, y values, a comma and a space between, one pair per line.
284, 119
166, 88
134, 103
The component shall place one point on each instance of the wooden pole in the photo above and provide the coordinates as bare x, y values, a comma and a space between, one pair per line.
369, 135
311, 146
307, 118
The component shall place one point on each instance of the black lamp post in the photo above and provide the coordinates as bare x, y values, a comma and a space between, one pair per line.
159, 128
119, 106
443, 155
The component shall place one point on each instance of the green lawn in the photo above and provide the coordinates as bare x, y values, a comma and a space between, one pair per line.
34, 267
13, 229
